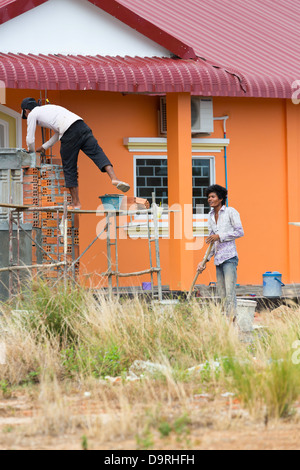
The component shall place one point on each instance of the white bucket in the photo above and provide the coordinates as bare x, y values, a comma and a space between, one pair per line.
245, 314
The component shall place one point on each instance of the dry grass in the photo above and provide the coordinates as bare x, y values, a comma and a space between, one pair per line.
62, 343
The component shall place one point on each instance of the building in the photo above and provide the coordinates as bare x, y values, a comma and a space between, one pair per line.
112, 62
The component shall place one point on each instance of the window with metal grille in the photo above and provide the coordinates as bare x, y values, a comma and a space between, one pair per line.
152, 176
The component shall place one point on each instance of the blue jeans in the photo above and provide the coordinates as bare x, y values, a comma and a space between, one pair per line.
226, 281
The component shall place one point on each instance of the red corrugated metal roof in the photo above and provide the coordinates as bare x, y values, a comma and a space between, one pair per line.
133, 75
119, 74
257, 39
11, 8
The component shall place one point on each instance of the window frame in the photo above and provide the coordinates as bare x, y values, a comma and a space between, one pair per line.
164, 156
200, 224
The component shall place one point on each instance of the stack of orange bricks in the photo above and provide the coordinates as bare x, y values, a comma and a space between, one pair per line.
44, 187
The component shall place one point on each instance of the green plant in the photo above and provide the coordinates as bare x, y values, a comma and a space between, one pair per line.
5, 389
145, 441
52, 312
93, 360
7, 429
281, 387
181, 424
165, 429
84, 443
32, 377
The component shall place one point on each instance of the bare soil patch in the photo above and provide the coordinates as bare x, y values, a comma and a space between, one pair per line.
217, 424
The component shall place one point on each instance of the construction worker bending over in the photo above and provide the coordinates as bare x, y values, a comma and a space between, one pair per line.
75, 135
224, 226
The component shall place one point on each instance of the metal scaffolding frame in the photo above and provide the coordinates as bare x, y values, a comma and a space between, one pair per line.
14, 212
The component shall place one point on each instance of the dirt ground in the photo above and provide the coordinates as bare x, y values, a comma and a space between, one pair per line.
220, 424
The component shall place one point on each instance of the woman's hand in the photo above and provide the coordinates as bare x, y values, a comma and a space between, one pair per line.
212, 239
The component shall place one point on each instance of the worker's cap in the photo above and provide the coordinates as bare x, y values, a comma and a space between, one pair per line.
28, 103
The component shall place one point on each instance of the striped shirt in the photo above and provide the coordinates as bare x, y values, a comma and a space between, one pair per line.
229, 227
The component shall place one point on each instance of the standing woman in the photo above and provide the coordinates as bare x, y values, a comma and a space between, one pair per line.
224, 226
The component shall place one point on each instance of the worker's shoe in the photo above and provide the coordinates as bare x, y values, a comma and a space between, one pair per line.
124, 187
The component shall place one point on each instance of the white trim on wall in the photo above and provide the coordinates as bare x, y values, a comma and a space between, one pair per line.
160, 144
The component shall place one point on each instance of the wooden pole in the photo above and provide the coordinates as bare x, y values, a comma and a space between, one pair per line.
116, 252
138, 273
10, 250
57, 241
18, 252
156, 237
65, 237
150, 255
204, 261
24, 268
109, 263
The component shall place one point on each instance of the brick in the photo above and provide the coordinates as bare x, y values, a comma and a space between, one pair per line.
29, 201
47, 215
30, 179
31, 171
30, 186
53, 255
50, 191
47, 175
48, 248
45, 183
49, 223
49, 232
49, 240
59, 199
69, 250
28, 219
46, 203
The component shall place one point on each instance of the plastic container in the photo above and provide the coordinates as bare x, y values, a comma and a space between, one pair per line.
112, 201
245, 313
272, 284
146, 286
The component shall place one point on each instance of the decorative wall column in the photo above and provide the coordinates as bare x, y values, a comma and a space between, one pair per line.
180, 189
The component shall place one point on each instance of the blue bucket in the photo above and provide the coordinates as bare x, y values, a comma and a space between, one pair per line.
112, 201
272, 284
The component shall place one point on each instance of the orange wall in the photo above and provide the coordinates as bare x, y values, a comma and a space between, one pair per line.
257, 182
257, 177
